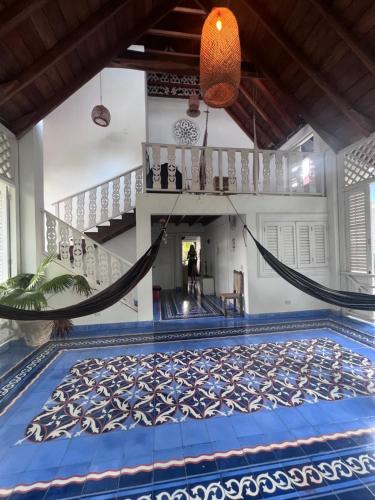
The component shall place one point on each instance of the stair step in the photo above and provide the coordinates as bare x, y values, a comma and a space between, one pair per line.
116, 222
113, 228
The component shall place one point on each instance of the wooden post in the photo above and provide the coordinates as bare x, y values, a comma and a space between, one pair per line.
220, 158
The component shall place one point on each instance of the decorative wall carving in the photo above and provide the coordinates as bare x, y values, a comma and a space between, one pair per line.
186, 132
172, 85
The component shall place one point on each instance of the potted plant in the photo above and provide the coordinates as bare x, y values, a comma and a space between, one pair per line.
32, 291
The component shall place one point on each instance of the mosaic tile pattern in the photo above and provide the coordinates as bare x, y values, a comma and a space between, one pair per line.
19, 376
106, 394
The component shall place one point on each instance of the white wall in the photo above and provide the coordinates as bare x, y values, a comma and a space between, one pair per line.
264, 294
222, 130
119, 313
225, 251
78, 153
124, 245
30, 195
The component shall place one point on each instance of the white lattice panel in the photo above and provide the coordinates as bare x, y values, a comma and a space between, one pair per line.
6, 160
359, 164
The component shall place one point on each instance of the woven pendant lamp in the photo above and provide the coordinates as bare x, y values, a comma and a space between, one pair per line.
220, 58
100, 114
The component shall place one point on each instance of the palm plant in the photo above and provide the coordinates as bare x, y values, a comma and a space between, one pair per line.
32, 291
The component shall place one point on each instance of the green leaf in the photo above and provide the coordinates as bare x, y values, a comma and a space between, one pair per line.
57, 284
21, 299
19, 281
41, 271
81, 286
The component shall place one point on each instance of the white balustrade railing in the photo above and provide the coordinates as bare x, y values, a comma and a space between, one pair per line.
170, 167
102, 202
360, 283
81, 255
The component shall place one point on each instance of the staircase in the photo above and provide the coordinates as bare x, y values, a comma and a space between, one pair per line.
106, 232
86, 220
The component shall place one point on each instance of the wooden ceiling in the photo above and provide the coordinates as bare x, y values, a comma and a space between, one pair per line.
303, 60
185, 219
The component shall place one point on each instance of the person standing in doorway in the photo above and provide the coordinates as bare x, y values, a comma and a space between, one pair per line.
192, 263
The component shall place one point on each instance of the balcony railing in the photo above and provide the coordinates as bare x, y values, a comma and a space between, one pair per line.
197, 169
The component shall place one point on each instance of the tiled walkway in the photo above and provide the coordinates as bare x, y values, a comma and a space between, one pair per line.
183, 305
282, 410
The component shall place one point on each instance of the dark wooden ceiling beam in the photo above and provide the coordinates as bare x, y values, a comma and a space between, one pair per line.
347, 36
17, 12
295, 106
171, 53
261, 112
62, 48
362, 123
180, 220
264, 139
189, 10
173, 34
282, 111
232, 113
168, 62
193, 220
24, 123
208, 219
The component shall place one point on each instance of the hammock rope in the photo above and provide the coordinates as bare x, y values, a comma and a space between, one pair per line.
349, 300
103, 299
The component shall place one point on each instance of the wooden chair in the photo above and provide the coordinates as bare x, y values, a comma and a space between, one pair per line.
237, 294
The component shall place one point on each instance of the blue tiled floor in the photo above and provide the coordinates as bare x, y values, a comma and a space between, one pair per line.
293, 439
184, 305
11, 353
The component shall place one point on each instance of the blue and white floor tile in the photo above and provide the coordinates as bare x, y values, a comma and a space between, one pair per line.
281, 410
183, 305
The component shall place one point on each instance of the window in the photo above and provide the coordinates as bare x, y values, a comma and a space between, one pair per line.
8, 212
358, 235
4, 231
298, 244
280, 240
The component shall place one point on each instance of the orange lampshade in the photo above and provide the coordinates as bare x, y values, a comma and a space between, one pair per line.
220, 58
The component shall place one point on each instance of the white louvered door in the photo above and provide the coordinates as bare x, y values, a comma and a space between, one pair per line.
280, 240
304, 244
358, 230
288, 243
312, 247
320, 246
4, 232
271, 242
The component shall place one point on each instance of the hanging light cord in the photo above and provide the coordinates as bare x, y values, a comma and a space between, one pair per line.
100, 87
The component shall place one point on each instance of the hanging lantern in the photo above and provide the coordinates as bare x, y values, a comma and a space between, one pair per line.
100, 114
193, 109
220, 58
